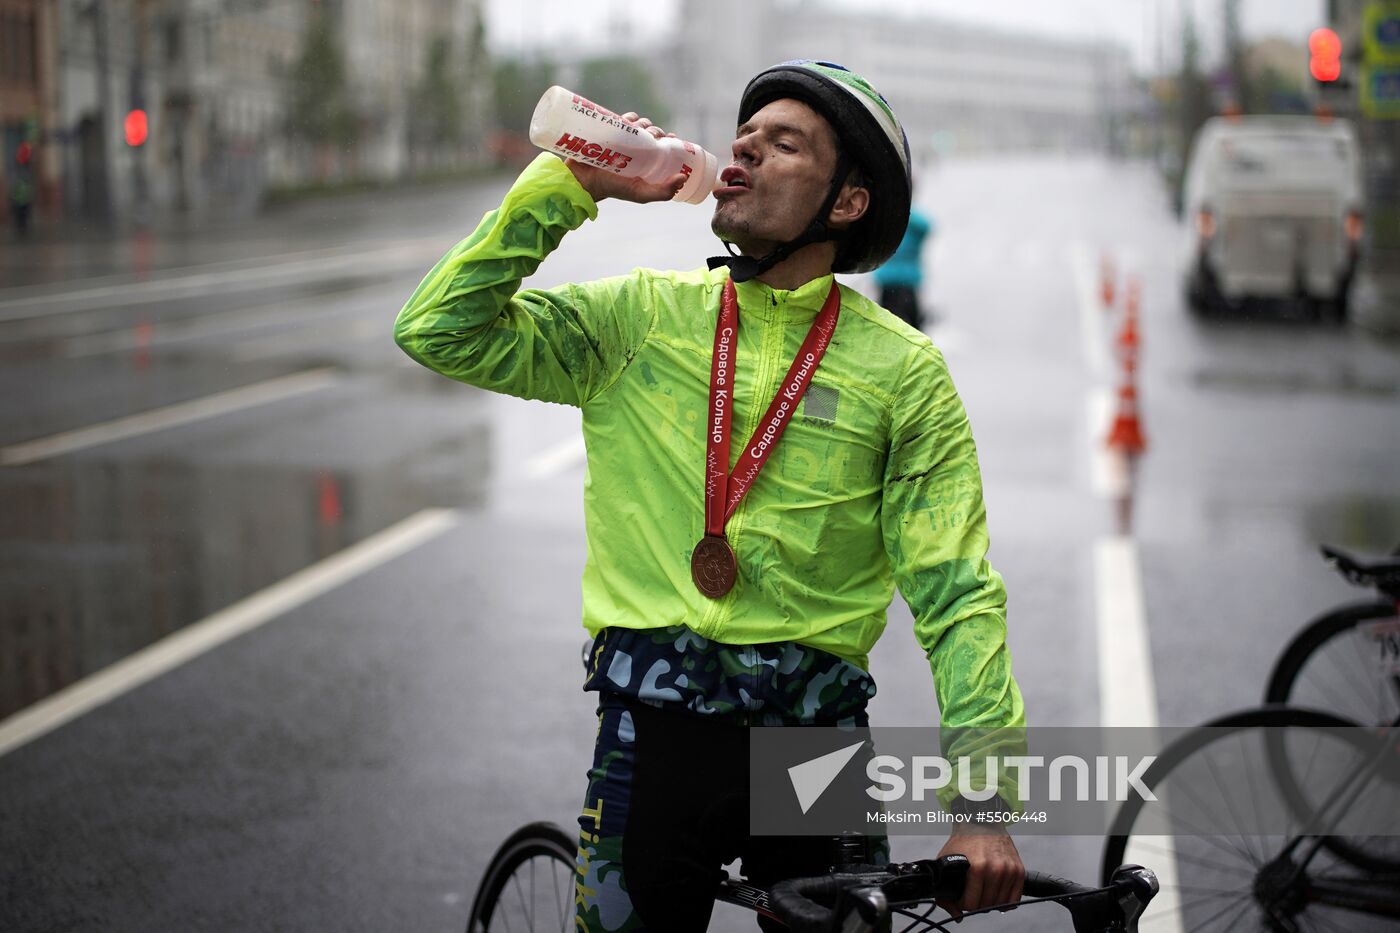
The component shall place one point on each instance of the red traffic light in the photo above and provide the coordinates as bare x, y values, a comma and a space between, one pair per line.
1326, 49
135, 127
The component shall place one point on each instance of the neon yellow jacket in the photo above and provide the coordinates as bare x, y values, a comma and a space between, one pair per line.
874, 482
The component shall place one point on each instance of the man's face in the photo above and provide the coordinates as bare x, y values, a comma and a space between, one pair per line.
784, 157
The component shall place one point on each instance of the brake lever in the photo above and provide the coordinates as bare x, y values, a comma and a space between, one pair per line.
862, 910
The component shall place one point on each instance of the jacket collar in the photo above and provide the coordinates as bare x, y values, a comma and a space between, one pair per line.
802, 302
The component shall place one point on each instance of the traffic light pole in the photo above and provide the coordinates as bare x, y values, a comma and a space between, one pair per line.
1377, 290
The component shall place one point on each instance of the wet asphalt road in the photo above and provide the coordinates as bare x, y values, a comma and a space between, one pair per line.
352, 762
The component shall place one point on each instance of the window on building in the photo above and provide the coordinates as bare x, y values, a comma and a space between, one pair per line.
172, 42
19, 49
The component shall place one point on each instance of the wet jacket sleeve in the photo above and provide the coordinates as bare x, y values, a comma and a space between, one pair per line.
469, 320
935, 531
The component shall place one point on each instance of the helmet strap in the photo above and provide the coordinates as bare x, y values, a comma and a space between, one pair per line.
742, 268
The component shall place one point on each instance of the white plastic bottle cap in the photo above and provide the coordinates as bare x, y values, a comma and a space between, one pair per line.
701, 182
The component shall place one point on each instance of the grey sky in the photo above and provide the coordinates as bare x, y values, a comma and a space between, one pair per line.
527, 23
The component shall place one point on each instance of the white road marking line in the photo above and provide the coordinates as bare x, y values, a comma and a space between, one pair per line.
556, 459
1128, 691
1108, 467
188, 286
1086, 287
243, 616
221, 403
361, 331
164, 333
128, 279
1127, 686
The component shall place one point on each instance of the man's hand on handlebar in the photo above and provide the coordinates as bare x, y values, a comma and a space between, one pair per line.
995, 873
601, 183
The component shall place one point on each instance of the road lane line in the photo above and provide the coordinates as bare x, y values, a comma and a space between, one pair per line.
243, 616
361, 331
1128, 690
556, 459
174, 332
18, 293
181, 413
405, 254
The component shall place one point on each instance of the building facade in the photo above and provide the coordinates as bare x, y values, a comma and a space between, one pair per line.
29, 170
213, 79
956, 87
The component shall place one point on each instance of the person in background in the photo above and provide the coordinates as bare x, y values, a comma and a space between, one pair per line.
21, 192
901, 277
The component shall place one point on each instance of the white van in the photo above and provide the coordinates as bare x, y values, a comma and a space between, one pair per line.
1272, 206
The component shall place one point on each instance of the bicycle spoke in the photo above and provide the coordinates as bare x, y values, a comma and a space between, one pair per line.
1164, 851
1353, 678
1215, 838
1253, 798
1240, 908
561, 901
1359, 649
1329, 923
519, 892
1306, 782
1224, 794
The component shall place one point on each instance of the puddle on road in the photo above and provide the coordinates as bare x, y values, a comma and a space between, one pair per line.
99, 559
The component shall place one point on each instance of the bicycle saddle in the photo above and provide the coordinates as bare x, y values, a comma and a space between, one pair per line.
1383, 574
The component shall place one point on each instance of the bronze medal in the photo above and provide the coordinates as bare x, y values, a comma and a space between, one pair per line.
713, 566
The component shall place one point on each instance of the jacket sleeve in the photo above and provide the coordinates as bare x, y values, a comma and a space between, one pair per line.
469, 321
935, 531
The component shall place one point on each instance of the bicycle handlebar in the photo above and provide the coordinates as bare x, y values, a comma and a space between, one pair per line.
826, 903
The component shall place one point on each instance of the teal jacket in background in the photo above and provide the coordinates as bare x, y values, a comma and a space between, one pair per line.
905, 266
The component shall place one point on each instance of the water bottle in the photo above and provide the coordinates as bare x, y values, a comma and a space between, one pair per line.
576, 128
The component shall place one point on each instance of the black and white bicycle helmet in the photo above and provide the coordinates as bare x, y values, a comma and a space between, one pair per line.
870, 137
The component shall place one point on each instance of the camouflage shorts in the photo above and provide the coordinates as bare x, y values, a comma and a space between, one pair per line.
779, 683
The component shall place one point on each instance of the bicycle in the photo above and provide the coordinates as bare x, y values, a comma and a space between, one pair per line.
1348, 660
1213, 828
519, 893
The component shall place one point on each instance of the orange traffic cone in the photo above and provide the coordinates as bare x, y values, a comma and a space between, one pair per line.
1126, 433
1106, 284
1128, 337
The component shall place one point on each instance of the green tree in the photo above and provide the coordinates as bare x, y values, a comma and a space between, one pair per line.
622, 84
437, 101
1193, 102
1274, 92
518, 87
318, 98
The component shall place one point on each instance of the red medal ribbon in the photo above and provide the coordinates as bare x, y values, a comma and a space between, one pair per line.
723, 490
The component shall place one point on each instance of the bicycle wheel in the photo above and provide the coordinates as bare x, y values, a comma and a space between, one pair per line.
1224, 835
1347, 662
529, 883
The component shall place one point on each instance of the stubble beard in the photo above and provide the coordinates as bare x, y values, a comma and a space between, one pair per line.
736, 230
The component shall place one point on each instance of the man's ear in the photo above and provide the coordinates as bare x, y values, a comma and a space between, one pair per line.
851, 205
